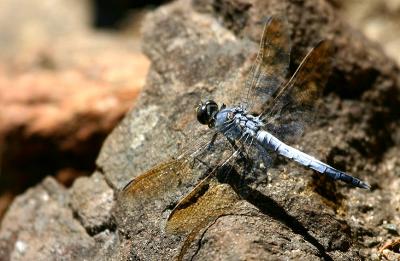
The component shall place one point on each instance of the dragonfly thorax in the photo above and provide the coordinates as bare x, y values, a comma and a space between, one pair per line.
235, 122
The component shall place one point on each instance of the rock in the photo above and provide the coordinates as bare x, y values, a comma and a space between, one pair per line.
38, 25
204, 49
92, 200
40, 225
50, 222
205, 59
63, 88
377, 20
389, 250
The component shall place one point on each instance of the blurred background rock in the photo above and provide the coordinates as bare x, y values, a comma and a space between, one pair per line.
69, 70
379, 20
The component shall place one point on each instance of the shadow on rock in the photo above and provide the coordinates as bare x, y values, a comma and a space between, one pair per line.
269, 207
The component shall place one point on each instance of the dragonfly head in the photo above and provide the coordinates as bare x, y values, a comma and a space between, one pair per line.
206, 112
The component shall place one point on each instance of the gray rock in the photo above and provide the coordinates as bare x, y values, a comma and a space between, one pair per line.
195, 57
40, 226
92, 200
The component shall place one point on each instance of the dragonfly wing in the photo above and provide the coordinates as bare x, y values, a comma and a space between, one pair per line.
155, 191
270, 68
164, 183
207, 201
160, 183
292, 107
217, 200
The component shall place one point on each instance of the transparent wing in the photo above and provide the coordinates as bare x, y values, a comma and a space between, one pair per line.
156, 183
207, 201
216, 200
165, 178
211, 198
271, 65
292, 107
150, 195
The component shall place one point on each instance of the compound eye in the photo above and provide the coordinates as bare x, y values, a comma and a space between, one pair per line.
202, 116
206, 112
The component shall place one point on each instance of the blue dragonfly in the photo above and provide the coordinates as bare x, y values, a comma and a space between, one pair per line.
236, 135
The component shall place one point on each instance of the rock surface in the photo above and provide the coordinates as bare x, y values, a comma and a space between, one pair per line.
201, 49
40, 226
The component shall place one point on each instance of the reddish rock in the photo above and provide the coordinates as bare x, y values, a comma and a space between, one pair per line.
63, 88
65, 113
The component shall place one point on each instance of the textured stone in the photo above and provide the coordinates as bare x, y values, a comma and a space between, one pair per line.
361, 95
92, 200
40, 225
313, 208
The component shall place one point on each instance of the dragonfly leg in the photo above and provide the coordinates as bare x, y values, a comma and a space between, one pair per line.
200, 161
210, 145
236, 148
242, 153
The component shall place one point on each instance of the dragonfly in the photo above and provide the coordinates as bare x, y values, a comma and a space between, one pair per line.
235, 135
